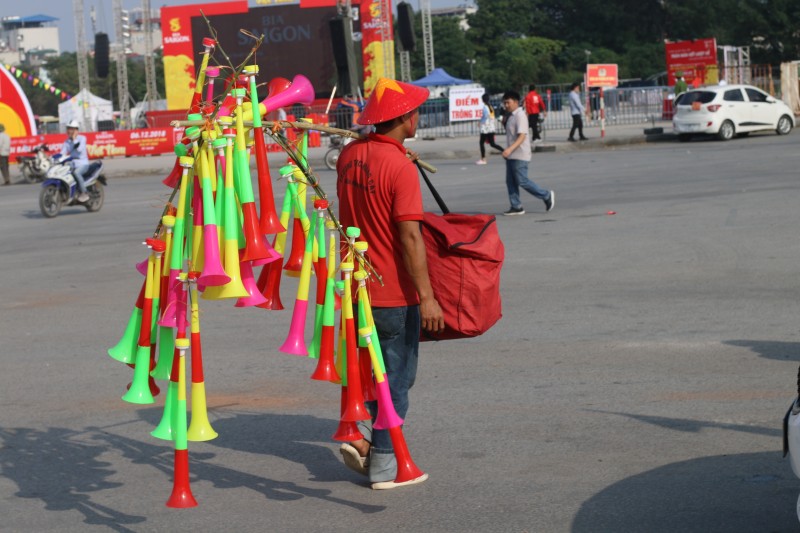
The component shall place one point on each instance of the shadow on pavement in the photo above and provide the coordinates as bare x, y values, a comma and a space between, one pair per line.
60, 466
778, 350
726, 493
61, 470
694, 426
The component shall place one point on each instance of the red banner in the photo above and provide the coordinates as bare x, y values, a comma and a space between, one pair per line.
130, 143
692, 60
104, 144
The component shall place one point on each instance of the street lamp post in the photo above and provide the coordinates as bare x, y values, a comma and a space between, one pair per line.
471, 62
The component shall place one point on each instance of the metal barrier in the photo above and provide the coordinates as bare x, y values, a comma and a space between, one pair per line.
622, 106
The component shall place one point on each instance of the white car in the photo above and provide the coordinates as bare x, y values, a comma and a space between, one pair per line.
729, 110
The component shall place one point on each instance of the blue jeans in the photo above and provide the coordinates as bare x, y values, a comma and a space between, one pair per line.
78, 172
398, 333
516, 177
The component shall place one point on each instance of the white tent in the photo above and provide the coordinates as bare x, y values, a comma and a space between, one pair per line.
72, 109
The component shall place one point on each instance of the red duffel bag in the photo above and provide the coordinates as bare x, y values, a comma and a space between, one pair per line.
465, 255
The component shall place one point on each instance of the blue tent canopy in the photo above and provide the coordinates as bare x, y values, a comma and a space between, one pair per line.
439, 77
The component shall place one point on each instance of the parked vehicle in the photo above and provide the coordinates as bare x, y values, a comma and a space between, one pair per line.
59, 188
730, 110
34, 167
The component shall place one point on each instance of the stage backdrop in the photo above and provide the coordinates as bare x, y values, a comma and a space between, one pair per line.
297, 40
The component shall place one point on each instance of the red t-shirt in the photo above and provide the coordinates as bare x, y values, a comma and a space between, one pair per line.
533, 103
377, 187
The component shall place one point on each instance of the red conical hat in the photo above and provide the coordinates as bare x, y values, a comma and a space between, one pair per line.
390, 99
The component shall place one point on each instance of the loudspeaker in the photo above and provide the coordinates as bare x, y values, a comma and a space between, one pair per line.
344, 54
106, 125
405, 26
338, 42
101, 55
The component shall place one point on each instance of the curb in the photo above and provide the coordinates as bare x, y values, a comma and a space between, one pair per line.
318, 161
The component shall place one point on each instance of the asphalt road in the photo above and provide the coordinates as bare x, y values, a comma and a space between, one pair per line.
636, 382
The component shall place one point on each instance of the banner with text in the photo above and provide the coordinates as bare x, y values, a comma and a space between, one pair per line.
104, 144
695, 60
602, 75
466, 104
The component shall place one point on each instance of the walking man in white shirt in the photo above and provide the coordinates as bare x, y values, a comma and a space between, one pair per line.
518, 155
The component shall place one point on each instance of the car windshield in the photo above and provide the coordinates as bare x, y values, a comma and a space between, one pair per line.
690, 97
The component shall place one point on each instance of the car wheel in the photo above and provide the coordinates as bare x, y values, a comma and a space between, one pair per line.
726, 131
784, 125
684, 137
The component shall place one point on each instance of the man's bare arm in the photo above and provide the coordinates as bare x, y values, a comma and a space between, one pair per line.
416, 264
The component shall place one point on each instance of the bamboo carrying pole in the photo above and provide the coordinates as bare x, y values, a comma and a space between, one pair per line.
300, 126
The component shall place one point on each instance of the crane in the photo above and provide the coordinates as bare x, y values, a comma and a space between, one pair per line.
83, 63
121, 29
427, 35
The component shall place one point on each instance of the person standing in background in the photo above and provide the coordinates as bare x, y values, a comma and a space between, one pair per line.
5, 152
680, 85
576, 109
534, 106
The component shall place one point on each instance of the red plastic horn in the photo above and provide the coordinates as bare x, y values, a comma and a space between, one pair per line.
355, 409
277, 85
347, 431
181, 496
406, 468
269, 222
269, 283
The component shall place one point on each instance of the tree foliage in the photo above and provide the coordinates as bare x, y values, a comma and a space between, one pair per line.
63, 73
518, 42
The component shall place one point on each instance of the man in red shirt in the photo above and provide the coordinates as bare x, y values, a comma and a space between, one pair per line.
534, 105
378, 190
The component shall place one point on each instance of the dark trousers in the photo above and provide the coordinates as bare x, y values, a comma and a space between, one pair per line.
4, 168
577, 124
488, 138
533, 123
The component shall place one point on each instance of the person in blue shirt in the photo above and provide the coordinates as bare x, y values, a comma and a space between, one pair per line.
576, 109
75, 147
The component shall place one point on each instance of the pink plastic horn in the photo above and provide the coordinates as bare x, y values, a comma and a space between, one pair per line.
213, 273
295, 343
299, 92
387, 416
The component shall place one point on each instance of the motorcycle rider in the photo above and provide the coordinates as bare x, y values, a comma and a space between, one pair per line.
75, 147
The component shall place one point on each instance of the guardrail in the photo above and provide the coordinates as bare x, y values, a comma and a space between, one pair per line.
622, 106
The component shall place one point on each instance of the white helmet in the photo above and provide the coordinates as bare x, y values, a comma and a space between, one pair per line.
73, 124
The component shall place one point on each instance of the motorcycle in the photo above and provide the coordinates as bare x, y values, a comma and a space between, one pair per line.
59, 187
332, 156
35, 167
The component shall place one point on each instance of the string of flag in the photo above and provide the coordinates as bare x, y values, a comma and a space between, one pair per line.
36, 82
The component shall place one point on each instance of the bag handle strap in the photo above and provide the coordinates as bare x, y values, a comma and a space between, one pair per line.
435, 193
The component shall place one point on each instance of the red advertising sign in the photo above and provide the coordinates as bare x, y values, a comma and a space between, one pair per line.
602, 75
176, 39
103, 144
692, 59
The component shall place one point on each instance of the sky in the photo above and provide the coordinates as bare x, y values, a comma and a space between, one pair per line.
62, 9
